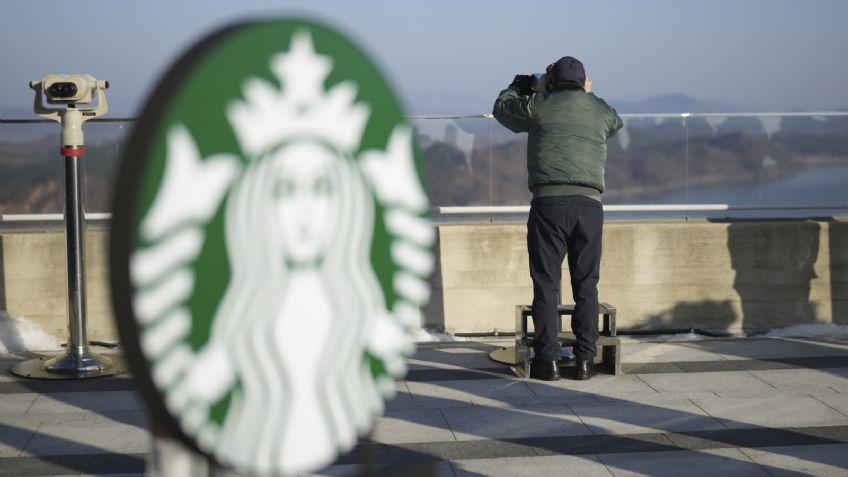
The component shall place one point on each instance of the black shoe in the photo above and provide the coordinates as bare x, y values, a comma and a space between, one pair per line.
544, 370
584, 369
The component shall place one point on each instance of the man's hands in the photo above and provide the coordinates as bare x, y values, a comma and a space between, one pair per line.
524, 84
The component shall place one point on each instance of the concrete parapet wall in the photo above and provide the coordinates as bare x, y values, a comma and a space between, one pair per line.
723, 276
33, 281
727, 276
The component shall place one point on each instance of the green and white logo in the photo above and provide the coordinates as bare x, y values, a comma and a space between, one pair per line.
270, 251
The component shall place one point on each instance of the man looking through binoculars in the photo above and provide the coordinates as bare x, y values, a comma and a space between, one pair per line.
567, 127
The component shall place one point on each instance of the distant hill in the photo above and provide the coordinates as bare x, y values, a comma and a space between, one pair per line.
673, 103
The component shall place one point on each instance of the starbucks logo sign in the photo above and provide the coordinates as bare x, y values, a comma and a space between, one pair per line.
270, 253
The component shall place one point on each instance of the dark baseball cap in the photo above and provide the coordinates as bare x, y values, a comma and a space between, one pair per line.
567, 71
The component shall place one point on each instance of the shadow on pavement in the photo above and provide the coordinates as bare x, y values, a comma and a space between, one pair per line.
725, 434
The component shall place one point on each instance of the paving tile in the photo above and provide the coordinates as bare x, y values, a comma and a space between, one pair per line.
773, 412
652, 368
73, 438
412, 425
439, 469
600, 385
734, 365
64, 403
14, 436
123, 465
829, 345
634, 418
476, 345
525, 401
464, 450
456, 373
765, 348
646, 368
427, 345
469, 347
45, 419
451, 358
800, 391
791, 461
812, 380
15, 404
606, 443
723, 381
665, 353
836, 401
462, 392
656, 398
497, 423
402, 399
584, 466
759, 437
139, 419
723, 462
428, 397
121, 383
6, 363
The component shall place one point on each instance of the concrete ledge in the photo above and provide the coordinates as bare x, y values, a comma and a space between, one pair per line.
33, 281
724, 276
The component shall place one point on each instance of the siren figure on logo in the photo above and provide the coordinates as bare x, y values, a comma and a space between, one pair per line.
304, 317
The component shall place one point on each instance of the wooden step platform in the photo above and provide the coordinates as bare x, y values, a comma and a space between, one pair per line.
608, 359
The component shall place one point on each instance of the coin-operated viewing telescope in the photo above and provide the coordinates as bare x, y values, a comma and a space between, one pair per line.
67, 92
70, 90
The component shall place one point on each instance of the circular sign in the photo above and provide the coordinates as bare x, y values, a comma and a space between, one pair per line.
270, 251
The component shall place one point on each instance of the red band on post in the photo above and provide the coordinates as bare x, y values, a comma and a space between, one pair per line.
73, 151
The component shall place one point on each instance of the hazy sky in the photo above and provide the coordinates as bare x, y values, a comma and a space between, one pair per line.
453, 57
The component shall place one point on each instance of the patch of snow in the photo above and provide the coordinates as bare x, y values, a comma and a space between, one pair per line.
426, 335
810, 330
18, 334
691, 336
820, 330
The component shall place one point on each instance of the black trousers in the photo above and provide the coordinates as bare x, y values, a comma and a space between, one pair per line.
557, 226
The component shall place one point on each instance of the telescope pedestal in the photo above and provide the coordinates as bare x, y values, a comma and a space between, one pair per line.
77, 362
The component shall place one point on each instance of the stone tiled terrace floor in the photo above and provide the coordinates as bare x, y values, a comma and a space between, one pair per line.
753, 406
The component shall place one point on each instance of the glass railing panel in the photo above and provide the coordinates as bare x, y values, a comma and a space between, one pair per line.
769, 161
31, 169
816, 164
456, 155
646, 161
643, 162
104, 145
509, 166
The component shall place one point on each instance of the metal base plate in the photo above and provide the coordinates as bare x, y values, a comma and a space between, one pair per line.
507, 355
54, 367
504, 355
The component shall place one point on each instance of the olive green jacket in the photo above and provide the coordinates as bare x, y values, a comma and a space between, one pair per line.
567, 142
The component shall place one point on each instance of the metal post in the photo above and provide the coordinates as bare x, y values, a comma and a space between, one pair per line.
169, 457
75, 248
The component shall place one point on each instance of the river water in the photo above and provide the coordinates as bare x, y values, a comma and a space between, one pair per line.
815, 185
